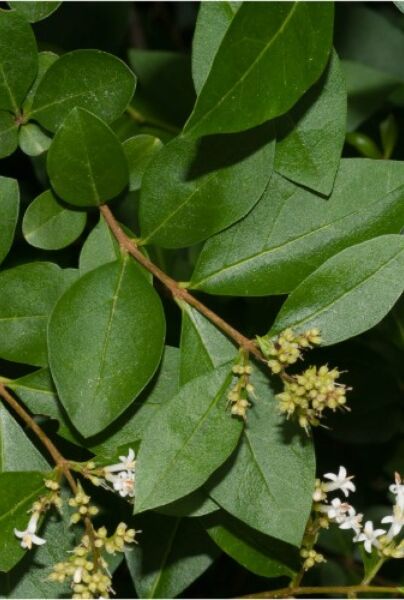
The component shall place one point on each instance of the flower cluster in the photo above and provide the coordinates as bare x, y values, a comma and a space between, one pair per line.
82, 503
345, 516
118, 477
243, 389
90, 577
285, 349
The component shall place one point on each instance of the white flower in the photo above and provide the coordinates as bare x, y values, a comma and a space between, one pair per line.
397, 489
123, 482
352, 521
337, 510
127, 463
28, 536
78, 575
339, 482
396, 520
369, 536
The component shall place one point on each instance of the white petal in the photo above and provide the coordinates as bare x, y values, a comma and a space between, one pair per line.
19, 534
38, 541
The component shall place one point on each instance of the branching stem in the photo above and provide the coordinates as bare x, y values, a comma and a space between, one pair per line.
322, 590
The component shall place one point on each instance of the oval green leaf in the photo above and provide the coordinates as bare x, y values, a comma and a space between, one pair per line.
49, 225
86, 163
9, 208
18, 453
8, 134
33, 140
88, 79
18, 59
139, 151
106, 337
350, 293
252, 57
188, 439
35, 10
207, 185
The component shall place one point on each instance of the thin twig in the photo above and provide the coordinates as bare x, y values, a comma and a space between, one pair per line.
178, 292
288, 592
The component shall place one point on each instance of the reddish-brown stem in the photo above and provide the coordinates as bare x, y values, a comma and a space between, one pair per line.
175, 289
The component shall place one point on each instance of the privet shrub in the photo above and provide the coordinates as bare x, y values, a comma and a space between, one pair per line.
189, 270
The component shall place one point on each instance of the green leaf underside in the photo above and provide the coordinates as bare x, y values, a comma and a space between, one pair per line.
252, 57
310, 137
18, 59
190, 437
18, 492
260, 554
350, 293
28, 295
35, 11
208, 185
108, 330
32, 140
212, 23
273, 472
284, 250
139, 150
17, 452
8, 134
9, 208
89, 79
203, 347
86, 163
174, 554
49, 225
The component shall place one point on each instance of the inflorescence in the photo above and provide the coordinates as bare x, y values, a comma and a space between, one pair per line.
306, 395
243, 390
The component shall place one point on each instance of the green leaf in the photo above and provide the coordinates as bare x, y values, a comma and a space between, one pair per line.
203, 347
28, 295
86, 162
171, 555
18, 453
49, 225
157, 71
196, 504
35, 11
88, 79
9, 208
108, 330
363, 144
99, 248
139, 150
208, 185
283, 250
190, 437
18, 59
260, 554
18, 492
311, 136
45, 60
273, 472
252, 57
33, 140
8, 134
212, 23
350, 293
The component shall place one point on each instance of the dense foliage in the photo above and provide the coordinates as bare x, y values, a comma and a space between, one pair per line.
201, 331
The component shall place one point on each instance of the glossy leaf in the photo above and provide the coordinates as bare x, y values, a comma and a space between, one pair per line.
86, 162
18, 492
260, 554
212, 23
49, 225
350, 293
190, 437
203, 347
35, 10
28, 295
18, 453
88, 79
252, 57
174, 554
108, 329
139, 151
367, 201
8, 134
273, 472
45, 60
208, 185
18, 59
311, 136
33, 140
9, 208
